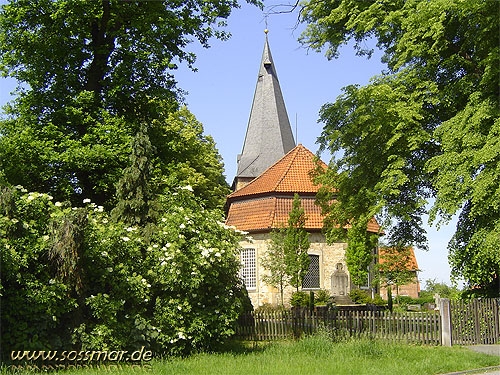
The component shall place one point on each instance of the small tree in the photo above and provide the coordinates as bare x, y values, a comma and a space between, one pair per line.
396, 268
296, 244
286, 259
389, 297
275, 262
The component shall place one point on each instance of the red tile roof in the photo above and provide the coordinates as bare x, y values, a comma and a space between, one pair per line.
290, 174
271, 212
266, 201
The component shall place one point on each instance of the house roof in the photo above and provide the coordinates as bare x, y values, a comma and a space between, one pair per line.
290, 174
398, 257
269, 135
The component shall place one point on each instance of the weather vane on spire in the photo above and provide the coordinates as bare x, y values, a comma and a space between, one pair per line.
266, 30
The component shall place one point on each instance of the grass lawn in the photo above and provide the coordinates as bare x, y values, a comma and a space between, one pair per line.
315, 355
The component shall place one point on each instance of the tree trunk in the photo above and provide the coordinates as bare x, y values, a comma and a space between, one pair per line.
103, 44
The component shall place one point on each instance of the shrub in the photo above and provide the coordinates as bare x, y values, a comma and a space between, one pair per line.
322, 297
73, 278
362, 297
267, 307
379, 301
299, 299
359, 296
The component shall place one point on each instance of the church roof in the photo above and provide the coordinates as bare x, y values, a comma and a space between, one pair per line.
290, 174
269, 135
266, 213
271, 166
266, 202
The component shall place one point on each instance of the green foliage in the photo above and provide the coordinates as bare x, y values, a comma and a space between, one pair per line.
390, 302
359, 296
322, 297
91, 76
191, 157
395, 267
97, 118
274, 261
134, 191
74, 278
296, 244
427, 127
362, 297
319, 354
359, 253
432, 287
287, 259
299, 299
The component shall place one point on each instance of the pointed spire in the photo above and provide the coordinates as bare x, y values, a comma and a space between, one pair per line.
269, 135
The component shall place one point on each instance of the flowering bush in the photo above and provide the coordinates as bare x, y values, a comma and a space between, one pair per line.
72, 276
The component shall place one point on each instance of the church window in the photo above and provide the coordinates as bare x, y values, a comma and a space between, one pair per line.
249, 270
311, 280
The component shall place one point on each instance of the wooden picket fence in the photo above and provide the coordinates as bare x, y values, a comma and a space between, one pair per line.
475, 322
412, 327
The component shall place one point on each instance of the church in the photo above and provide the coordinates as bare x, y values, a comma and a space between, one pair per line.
271, 170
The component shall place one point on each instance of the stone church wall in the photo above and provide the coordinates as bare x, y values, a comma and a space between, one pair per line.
334, 276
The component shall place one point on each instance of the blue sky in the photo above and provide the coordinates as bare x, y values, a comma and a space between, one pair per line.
220, 95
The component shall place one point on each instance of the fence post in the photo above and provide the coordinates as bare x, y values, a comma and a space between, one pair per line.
445, 313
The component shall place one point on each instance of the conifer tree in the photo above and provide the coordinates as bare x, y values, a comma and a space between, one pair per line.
134, 191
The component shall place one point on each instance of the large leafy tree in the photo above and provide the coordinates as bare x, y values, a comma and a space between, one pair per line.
98, 120
91, 75
428, 127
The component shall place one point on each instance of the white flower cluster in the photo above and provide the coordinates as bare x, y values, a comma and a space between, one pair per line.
207, 253
34, 195
232, 227
93, 205
145, 282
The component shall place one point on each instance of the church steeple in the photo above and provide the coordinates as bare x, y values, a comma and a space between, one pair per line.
269, 135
